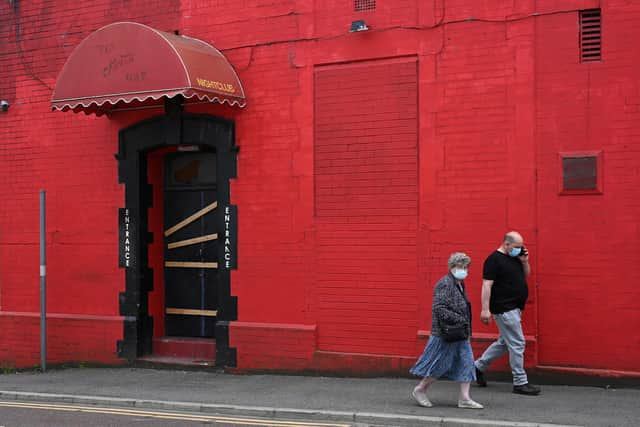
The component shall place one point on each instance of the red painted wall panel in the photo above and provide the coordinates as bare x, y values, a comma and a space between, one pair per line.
366, 206
462, 108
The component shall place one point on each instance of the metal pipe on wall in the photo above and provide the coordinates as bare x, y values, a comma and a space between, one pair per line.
43, 285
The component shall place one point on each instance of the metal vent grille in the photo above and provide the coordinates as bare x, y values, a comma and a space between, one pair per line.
590, 35
360, 5
579, 173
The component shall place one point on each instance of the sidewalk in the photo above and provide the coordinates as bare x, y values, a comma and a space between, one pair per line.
379, 401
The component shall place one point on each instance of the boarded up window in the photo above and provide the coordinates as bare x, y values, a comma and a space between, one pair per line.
580, 173
366, 131
366, 205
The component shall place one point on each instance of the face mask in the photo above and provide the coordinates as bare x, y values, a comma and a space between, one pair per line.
515, 251
460, 274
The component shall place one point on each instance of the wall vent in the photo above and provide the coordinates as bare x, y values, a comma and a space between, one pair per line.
361, 5
590, 35
581, 172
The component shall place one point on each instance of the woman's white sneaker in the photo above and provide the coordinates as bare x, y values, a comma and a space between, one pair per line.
469, 404
421, 398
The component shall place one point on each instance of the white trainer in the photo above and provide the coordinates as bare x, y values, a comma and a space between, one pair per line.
421, 398
469, 404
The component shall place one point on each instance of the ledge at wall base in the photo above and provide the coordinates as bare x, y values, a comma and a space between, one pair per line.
477, 336
608, 373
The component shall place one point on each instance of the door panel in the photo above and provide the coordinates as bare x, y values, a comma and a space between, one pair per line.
191, 291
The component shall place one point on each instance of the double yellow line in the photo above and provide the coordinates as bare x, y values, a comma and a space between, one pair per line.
165, 415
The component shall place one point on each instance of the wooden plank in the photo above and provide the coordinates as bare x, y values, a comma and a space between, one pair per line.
192, 218
193, 241
191, 312
189, 264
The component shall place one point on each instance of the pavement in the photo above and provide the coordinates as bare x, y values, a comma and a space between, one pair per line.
362, 401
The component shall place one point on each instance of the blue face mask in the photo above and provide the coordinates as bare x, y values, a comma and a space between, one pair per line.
515, 251
460, 274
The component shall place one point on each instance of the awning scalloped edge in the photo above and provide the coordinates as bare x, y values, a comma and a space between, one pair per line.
93, 105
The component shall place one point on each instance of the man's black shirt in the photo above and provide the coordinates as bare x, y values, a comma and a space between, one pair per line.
509, 289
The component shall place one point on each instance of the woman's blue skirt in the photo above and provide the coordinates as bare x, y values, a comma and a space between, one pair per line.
446, 360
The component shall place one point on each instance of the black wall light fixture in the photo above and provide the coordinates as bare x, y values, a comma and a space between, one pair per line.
4, 105
358, 25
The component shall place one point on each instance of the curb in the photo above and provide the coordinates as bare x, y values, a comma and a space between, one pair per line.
269, 412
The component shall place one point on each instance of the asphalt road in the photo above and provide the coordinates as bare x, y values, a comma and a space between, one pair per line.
20, 414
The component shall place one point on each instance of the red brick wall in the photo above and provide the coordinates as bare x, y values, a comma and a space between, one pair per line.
70, 338
366, 206
498, 94
71, 157
587, 287
274, 346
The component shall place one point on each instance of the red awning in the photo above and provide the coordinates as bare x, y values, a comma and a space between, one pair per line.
128, 64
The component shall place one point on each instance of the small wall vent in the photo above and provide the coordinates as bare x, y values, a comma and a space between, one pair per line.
590, 35
581, 173
362, 5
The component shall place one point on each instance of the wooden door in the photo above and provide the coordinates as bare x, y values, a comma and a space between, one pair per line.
191, 239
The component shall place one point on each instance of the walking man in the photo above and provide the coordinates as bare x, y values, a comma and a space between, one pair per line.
504, 293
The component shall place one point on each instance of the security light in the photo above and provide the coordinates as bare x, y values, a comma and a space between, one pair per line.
357, 26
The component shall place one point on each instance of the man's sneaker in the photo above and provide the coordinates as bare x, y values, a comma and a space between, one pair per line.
527, 389
480, 380
469, 404
421, 398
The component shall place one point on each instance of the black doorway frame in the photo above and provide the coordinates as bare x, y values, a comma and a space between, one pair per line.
174, 129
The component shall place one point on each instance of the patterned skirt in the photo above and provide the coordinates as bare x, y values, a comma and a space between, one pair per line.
446, 360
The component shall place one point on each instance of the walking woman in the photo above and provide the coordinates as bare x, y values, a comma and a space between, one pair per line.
448, 353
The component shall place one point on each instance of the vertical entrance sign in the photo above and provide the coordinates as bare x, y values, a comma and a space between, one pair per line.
127, 234
230, 237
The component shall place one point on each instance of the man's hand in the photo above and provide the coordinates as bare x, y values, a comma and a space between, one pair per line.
485, 316
485, 298
524, 259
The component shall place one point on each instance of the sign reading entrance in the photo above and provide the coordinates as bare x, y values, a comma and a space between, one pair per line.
127, 233
230, 241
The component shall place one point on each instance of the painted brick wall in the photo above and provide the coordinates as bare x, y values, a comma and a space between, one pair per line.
366, 204
273, 346
71, 157
584, 238
498, 93
272, 213
70, 338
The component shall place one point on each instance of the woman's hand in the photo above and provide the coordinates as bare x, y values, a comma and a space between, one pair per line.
485, 316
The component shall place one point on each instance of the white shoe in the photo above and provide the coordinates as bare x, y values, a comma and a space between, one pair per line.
469, 404
421, 398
